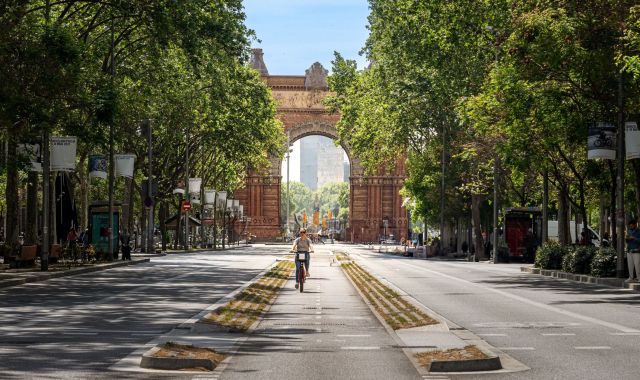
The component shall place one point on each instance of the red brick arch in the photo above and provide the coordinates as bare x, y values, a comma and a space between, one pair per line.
373, 198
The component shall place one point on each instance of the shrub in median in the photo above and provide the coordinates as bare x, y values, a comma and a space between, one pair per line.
578, 260
604, 263
550, 255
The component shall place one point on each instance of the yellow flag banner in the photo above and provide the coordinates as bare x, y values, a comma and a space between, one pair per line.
324, 223
330, 214
304, 218
316, 218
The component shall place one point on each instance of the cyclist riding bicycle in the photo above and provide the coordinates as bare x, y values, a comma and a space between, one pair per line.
302, 244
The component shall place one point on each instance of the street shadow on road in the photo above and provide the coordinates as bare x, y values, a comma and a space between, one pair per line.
89, 322
603, 294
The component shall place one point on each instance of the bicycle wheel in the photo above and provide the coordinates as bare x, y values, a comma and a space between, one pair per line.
302, 276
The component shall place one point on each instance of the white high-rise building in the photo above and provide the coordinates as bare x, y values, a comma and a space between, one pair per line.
321, 162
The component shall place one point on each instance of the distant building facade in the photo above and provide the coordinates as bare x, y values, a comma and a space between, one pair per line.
321, 162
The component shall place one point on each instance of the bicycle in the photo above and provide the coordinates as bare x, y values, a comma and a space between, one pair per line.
301, 258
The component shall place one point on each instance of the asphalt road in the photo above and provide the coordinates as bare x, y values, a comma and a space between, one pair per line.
80, 327
560, 329
77, 327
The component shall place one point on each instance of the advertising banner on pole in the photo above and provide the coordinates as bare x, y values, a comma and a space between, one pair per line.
194, 185
31, 154
63, 153
602, 142
97, 166
632, 140
124, 165
209, 197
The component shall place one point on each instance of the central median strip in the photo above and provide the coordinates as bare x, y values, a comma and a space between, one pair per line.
245, 308
403, 319
396, 311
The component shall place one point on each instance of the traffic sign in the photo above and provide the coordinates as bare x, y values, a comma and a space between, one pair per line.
186, 206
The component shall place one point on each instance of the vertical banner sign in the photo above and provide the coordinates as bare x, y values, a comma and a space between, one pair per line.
209, 197
194, 185
632, 140
98, 166
63, 153
31, 154
602, 142
124, 165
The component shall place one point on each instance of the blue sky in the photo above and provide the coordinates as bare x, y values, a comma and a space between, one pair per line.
296, 33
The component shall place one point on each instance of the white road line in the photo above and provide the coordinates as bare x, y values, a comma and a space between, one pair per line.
353, 335
360, 348
79, 333
558, 334
554, 309
592, 348
492, 334
517, 348
625, 334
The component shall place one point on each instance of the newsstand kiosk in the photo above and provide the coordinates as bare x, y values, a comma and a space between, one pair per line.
99, 230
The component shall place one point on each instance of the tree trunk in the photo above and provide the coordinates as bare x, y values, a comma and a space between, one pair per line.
163, 227
636, 172
127, 206
476, 200
85, 184
564, 233
612, 206
11, 193
31, 233
602, 212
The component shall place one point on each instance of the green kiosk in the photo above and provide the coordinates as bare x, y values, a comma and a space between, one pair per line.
99, 229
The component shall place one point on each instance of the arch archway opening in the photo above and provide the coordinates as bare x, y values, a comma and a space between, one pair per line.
315, 187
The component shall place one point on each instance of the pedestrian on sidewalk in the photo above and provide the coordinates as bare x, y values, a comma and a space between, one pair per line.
302, 244
633, 250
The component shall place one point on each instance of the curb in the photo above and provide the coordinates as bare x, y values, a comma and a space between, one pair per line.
583, 278
149, 361
492, 363
44, 276
474, 365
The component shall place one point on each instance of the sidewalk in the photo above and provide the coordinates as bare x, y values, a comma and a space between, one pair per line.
8, 279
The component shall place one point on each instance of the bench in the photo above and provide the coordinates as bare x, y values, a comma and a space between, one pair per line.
27, 255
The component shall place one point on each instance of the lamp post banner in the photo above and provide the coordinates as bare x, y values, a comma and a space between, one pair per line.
194, 185
602, 142
98, 166
31, 153
632, 140
63, 153
124, 165
209, 197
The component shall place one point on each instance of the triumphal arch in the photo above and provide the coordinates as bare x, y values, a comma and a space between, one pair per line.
375, 201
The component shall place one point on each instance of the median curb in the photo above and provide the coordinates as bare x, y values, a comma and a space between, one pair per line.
44, 276
491, 364
583, 278
152, 362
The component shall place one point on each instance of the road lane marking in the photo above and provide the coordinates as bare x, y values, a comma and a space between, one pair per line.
360, 348
567, 313
353, 335
625, 334
558, 334
592, 348
492, 334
